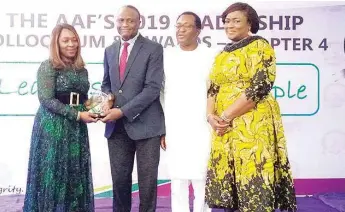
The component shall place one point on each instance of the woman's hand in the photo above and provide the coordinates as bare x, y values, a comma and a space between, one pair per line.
220, 126
88, 117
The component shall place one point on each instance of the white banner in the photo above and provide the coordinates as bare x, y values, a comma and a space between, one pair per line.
310, 85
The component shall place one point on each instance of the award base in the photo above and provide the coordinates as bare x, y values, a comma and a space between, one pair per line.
99, 115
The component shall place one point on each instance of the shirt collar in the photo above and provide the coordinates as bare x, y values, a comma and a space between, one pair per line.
130, 41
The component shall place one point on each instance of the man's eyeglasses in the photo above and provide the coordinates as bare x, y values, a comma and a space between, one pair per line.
188, 27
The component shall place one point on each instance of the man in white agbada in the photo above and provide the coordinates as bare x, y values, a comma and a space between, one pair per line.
187, 141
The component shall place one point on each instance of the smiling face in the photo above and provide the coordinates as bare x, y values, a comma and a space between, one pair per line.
127, 23
236, 25
186, 31
68, 44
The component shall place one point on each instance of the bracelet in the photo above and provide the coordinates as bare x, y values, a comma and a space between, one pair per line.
208, 115
78, 116
224, 118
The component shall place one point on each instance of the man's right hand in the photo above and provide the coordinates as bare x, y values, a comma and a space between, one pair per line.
109, 104
106, 107
163, 144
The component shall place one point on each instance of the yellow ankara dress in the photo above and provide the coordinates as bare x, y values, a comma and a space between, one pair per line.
248, 168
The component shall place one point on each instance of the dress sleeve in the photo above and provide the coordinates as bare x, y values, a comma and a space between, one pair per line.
212, 86
212, 89
261, 64
46, 81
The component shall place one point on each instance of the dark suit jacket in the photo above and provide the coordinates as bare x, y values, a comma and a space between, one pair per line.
138, 95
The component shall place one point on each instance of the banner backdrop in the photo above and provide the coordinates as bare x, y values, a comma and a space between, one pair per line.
310, 85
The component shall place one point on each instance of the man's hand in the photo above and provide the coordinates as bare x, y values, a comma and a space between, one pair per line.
163, 144
112, 115
105, 108
109, 104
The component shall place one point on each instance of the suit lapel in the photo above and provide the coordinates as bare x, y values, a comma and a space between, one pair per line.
115, 67
134, 52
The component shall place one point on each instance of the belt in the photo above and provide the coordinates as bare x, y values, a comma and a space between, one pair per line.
71, 98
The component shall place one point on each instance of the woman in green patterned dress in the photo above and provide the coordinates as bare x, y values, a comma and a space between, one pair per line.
59, 171
248, 170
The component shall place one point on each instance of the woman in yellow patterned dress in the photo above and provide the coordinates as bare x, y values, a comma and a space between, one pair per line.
248, 168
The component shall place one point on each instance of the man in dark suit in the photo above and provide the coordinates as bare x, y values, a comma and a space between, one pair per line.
133, 72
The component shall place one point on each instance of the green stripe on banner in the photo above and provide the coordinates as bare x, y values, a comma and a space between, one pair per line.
275, 88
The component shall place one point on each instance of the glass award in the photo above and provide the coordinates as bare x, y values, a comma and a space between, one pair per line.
98, 101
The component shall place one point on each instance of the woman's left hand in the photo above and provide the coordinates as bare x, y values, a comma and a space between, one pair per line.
222, 131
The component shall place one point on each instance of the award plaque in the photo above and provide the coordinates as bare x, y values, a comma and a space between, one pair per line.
98, 101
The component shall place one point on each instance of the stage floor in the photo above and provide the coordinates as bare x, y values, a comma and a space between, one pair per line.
332, 202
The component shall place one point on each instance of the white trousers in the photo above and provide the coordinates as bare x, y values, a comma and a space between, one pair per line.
180, 196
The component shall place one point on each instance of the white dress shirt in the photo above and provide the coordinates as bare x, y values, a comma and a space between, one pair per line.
130, 46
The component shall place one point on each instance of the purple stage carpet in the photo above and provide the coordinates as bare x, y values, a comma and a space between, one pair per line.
330, 202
